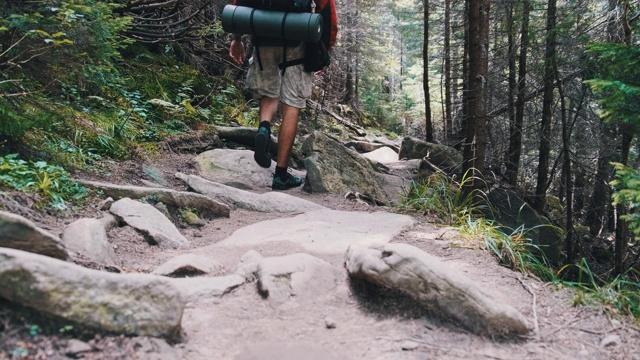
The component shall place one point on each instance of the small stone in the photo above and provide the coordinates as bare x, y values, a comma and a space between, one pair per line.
330, 323
610, 340
106, 204
75, 347
409, 345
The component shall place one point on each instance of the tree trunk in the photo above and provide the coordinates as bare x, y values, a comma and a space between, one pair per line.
425, 76
547, 110
475, 142
599, 199
515, 135
448, 117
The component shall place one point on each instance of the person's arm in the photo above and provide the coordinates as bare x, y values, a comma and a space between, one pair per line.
236, 49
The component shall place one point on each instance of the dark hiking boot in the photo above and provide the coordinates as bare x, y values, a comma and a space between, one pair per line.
261, 152
287, 183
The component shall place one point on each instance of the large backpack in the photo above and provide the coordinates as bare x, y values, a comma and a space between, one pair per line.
316, 54
278, 5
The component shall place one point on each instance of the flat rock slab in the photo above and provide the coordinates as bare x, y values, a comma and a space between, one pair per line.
436, 285
200, 289
228, 166
383, 155
300, 276
155, 227
133, 304
237, 198
323, 231
17, 232
89, 238
187, 265
205, 206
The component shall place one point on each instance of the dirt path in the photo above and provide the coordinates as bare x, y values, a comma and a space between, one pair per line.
357, 320
372, 323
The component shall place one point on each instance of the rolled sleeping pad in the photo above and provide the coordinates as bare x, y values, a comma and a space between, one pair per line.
294, 26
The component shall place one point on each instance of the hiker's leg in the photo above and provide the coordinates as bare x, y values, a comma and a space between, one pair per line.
287, 134
268, 108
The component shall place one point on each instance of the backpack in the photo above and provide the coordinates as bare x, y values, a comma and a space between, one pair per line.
278, 5
316, 54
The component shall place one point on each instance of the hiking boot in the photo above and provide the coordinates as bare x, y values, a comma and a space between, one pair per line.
261, 152
289, 182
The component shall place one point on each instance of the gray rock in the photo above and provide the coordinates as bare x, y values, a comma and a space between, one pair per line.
233, 197
228, 167
333, 168
76, 347
302, 276
248, 265
187, 265
205, 206
200, 289
106, 204
89, 238
437, 286
323, 231
17, 232
155, 227
364, 146
384, 155
442, 156
133, 304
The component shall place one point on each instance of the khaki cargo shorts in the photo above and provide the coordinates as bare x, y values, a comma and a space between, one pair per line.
293, 88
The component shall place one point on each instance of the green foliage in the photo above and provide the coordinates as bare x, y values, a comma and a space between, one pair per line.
617, 81
438, 197
50, 181
617, 295
514, 249
626, 186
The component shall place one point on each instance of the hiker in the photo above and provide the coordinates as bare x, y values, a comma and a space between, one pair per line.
272, 85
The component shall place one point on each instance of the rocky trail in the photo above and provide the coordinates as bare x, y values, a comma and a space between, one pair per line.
193, 257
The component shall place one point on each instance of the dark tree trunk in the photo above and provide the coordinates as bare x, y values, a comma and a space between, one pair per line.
425, 76
515, 135
475, 143
547, 110
448, 113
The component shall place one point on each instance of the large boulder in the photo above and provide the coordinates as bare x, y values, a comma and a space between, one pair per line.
150, 222
333, 168
433, 283
89, 238
233, 197
132, 304
513, 213
205, 206
17, 232
384, 155
236, 168
442, 156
